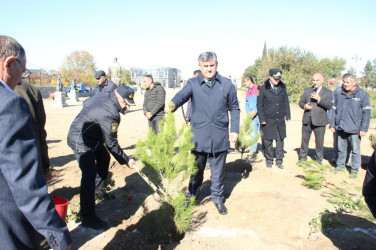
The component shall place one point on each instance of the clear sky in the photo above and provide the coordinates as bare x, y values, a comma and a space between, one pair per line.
173, 33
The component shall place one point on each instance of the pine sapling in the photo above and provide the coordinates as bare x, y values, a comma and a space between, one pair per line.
168, 161
246, 140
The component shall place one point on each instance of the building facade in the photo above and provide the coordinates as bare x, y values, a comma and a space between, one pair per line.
168, 77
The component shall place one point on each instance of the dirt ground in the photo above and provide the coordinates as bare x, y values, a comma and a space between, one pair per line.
268, 208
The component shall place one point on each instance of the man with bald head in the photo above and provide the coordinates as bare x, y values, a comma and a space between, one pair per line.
315, 102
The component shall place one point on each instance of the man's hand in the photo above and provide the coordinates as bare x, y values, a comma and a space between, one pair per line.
316, 96
333, 130
234, 137
263, 123
130, 163
148, 115
362, 133
307, 107
167, 109
253, 113
68, 248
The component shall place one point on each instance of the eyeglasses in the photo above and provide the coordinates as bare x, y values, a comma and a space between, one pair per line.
26, 73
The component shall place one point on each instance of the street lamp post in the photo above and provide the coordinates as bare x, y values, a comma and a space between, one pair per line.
356, 58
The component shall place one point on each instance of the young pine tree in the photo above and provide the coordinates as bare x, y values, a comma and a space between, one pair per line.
245, 140
168, 156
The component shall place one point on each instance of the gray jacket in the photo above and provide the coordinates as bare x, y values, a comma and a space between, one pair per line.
154, 100
210, 112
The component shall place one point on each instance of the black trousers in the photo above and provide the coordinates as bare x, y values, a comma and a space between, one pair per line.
91, 164
217, 163
319, 132
268, 151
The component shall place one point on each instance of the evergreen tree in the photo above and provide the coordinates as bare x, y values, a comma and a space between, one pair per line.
297, 65
245, 140
264, 52
167, 160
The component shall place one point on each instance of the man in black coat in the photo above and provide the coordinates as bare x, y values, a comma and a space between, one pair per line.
273, 108
92, 134
315, 102
213, 97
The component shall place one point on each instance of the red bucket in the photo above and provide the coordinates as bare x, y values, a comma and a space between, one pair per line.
61, 206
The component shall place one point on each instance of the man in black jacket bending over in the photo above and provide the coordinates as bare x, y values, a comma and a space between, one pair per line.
92, 134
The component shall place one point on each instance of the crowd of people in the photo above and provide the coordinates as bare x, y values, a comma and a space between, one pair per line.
28, 211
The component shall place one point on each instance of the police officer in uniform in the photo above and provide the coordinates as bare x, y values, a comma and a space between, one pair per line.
92, 134
104, 85
273, 108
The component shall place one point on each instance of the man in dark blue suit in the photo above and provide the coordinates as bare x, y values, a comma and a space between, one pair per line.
213, 97
26, 209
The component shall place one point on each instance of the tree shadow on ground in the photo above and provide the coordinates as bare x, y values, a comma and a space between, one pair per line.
155, 230
329, 155
234, 173
130, 147
133, 110
127, 200
53, 141
62, 160
351, 232
66, 192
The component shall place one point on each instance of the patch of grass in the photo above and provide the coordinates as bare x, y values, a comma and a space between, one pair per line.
314, 174
372, 138
74, 213
326, 220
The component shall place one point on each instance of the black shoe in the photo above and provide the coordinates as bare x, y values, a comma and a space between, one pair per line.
280, 166
269, 165
221, 208
94, 222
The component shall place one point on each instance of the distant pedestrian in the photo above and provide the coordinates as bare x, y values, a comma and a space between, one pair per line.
273, 108
104, 85
352, 114
251, 107
154, 102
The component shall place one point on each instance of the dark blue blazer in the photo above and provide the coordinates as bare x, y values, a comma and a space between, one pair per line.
26, 209
210, 112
